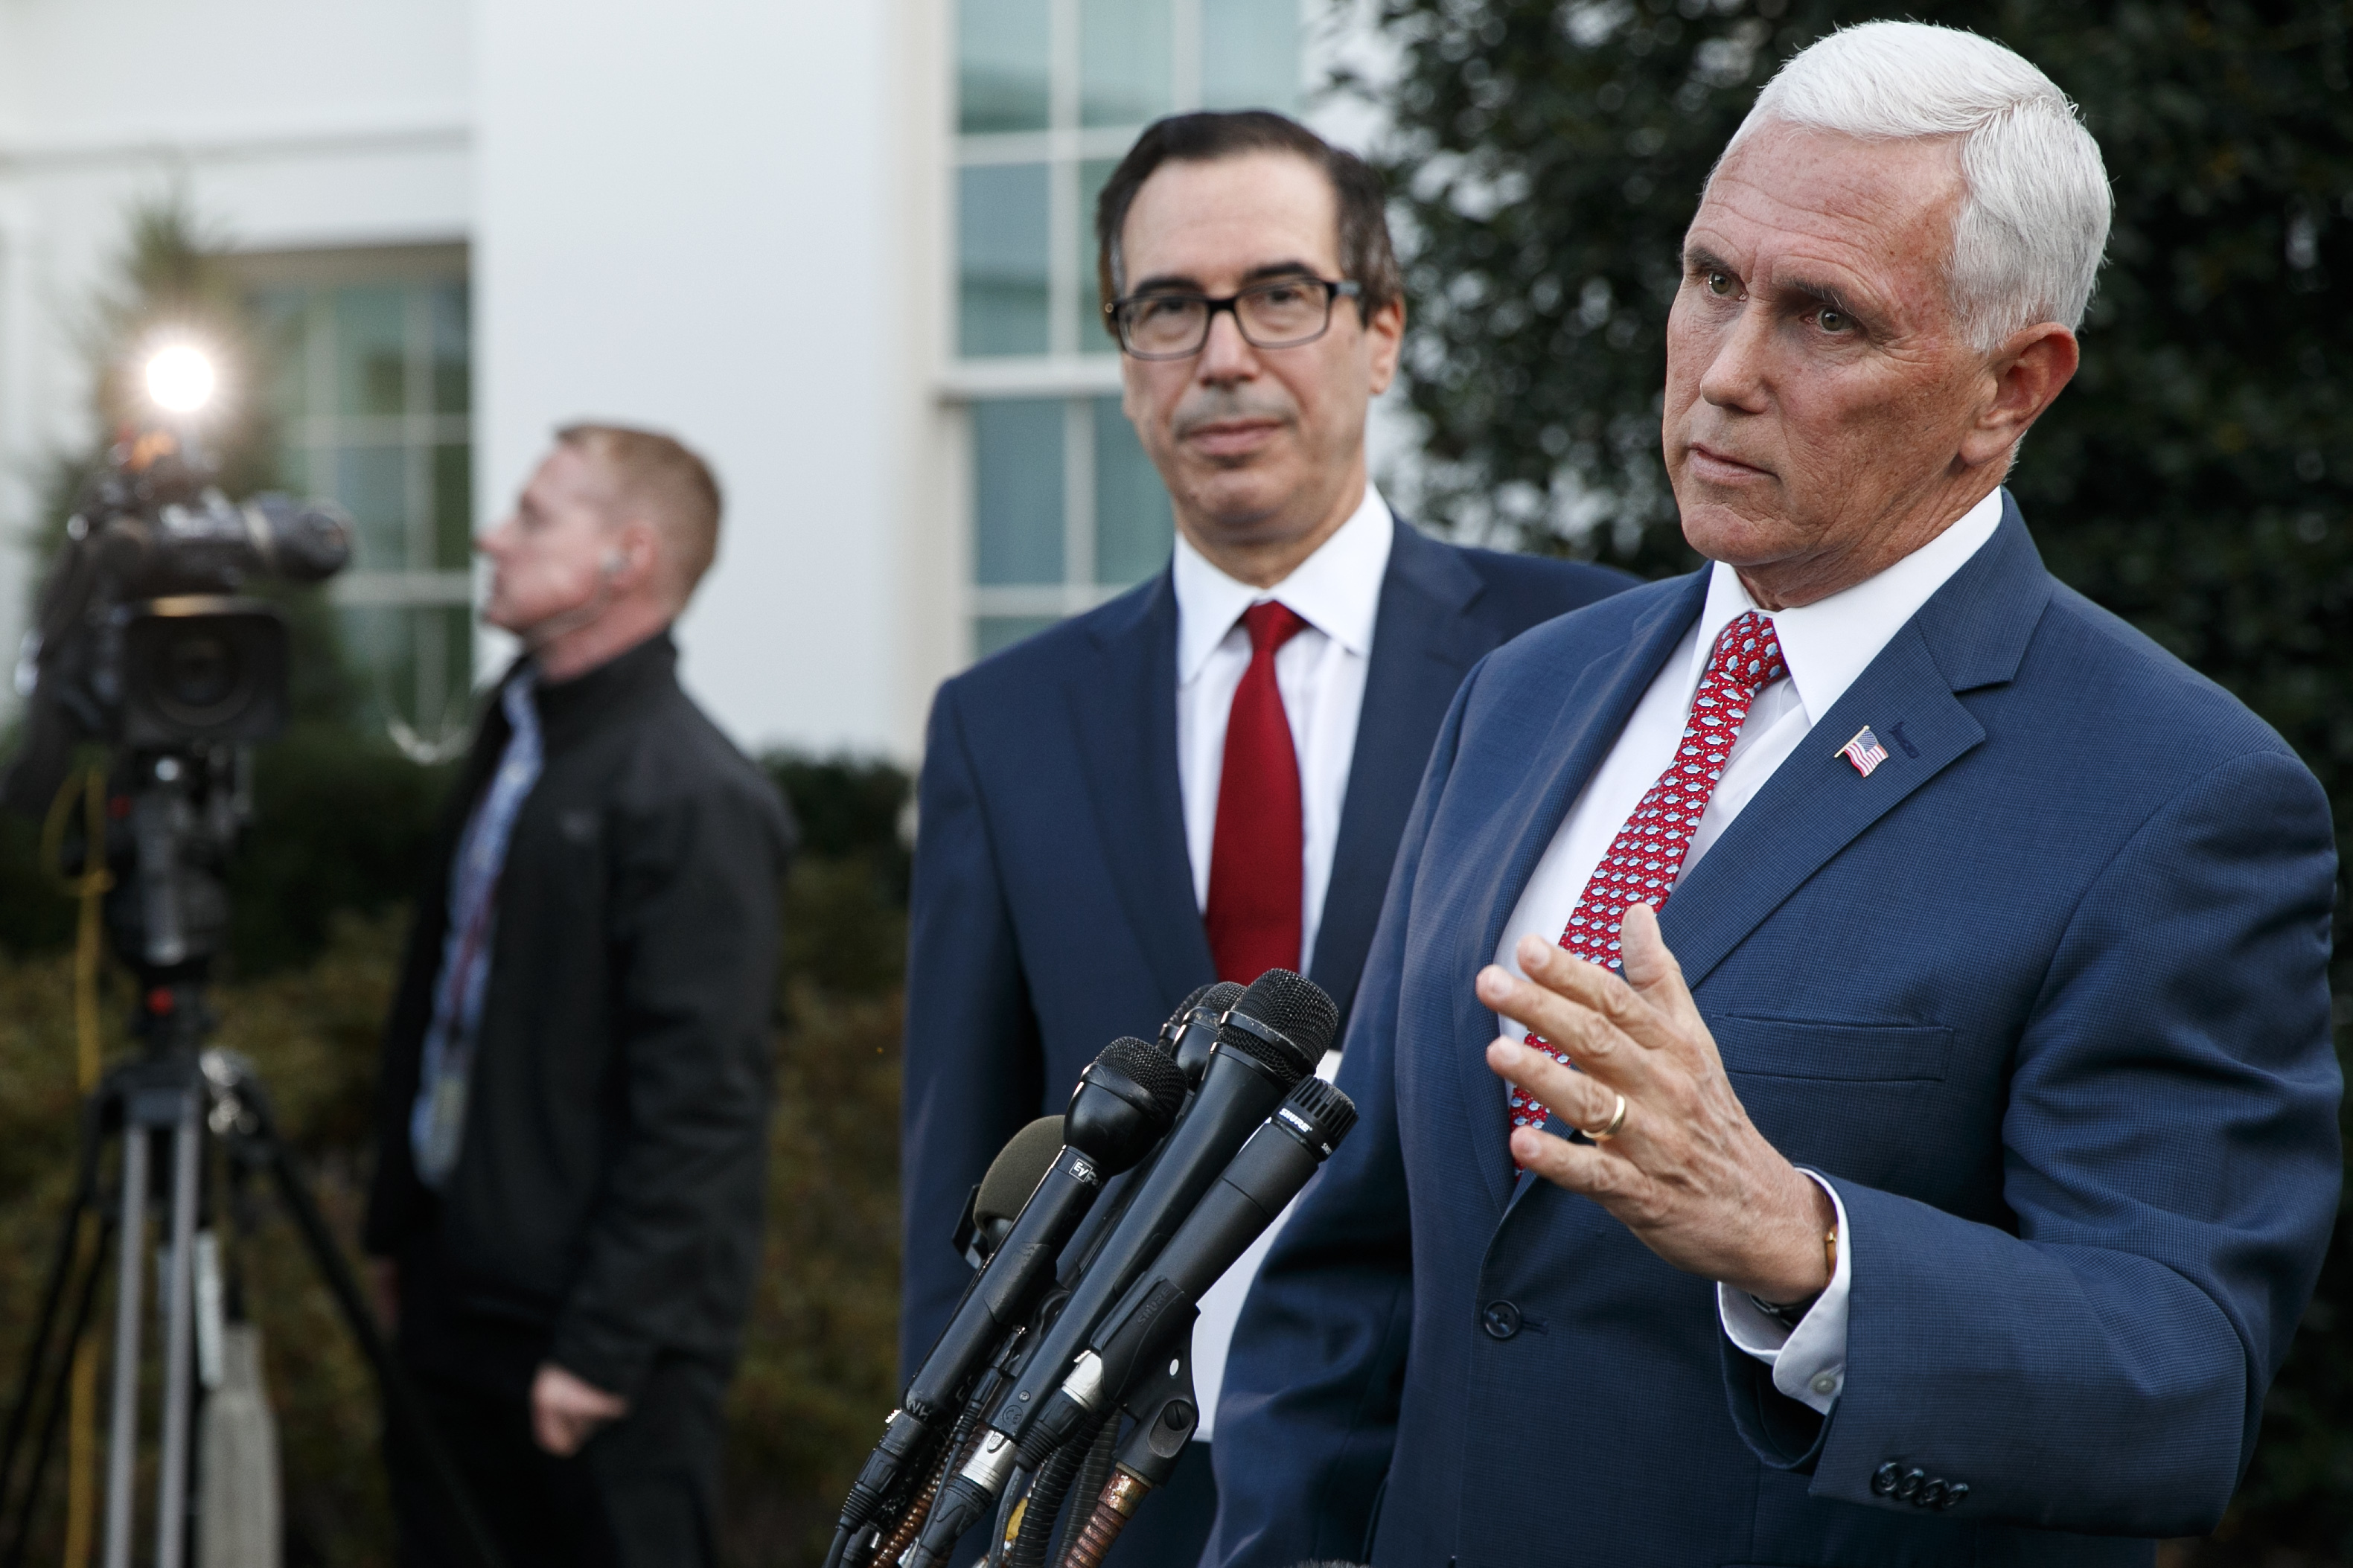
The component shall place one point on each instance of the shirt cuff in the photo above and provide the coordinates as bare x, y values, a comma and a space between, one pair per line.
1808, 1361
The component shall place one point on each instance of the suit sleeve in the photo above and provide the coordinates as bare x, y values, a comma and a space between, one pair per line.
973, 1065
673, 1246
2171, 1159
1308, 1415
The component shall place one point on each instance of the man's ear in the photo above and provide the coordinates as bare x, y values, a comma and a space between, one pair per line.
633, 556
2028, 374
1385, 333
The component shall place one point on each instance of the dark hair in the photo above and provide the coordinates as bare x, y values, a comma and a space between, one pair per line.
1208, 135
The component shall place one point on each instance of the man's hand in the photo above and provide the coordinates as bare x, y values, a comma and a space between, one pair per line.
384, 1284
1686, 1171
566, 1412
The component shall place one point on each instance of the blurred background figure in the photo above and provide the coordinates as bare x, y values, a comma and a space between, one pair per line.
1205, 778
571, 1119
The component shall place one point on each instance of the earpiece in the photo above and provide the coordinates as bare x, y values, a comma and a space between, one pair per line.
614, 562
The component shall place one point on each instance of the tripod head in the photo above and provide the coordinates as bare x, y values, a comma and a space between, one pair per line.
173, 819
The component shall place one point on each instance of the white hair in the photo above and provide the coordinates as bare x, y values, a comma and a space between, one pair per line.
2033, 215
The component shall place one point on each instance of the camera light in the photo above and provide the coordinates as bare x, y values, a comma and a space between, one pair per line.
180, 379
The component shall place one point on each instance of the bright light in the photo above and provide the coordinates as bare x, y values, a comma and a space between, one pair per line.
180, 379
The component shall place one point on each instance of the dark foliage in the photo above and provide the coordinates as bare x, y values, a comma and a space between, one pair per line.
2195, 478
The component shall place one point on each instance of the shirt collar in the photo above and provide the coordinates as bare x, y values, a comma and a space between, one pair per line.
1337, 590
1829, 643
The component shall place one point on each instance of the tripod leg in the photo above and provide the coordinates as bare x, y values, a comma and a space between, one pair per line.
179, 1370
122, 1426
61, 1268
60, 1400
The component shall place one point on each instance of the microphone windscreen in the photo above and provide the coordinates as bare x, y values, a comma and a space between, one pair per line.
1017, 1169
1154, 1072
1298, 1022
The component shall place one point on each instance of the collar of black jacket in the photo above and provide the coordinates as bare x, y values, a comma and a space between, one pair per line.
570, 708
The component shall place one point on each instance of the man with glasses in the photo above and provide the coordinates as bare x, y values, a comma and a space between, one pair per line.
1206, 777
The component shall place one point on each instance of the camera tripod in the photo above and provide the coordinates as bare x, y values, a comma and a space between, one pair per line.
163, 1108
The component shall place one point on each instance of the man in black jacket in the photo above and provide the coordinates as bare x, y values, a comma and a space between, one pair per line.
573, 1115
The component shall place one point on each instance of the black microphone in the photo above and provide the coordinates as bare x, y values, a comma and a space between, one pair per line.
1191, 1031
1272, 1038
1123, 1103
1012, 1176
1265, 1176
1187, 1038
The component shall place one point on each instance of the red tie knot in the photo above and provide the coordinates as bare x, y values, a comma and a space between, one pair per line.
1748, 654
1272, 624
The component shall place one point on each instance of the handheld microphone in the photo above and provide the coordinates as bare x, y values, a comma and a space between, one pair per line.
1122, 1104
1012, 1176
1266, 1176
1191, 1032
1272, 1038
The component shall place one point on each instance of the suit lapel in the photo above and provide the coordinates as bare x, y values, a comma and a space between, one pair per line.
1593, 709
1972, 632
1125, 710
1424, 641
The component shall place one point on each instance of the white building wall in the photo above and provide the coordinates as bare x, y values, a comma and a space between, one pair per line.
687, 217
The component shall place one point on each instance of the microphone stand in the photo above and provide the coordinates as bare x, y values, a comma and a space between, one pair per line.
1166, 1411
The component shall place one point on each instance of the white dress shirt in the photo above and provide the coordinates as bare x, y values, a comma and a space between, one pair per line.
1826, 644
1321, 674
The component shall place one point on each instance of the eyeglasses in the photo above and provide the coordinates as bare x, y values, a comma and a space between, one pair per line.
1281, 313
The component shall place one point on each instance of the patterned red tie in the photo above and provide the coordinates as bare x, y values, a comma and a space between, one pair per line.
1256, 858
1647, 855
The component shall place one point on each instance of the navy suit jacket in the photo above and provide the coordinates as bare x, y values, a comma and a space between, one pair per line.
1052, 908
2044, 997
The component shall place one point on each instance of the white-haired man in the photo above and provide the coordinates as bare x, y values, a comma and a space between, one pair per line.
1955, 1141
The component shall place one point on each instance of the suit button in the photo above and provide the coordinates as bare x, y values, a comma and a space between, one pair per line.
1884, 1480
1954, 1493
1909, 1487
1930, 1495
1501, 1319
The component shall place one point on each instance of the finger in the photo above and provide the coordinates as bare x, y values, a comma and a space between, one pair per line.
1653, 972
1604, 991
1591, 1040
1617, 1184
1578, 1099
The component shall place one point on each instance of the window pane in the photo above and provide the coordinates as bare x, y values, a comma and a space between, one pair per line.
1094, 338
1002, 64
372, 482
1017, 491
453, 506
1122, 61
452, 379
1001, 258
370, 351
1133, 526
1249, 54
280, 316
990, 633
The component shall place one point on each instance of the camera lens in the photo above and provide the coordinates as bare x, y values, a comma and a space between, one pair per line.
200, 679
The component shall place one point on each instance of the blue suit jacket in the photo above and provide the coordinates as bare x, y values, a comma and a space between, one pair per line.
2044, 996
1053, 903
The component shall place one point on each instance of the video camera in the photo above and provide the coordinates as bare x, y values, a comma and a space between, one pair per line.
143, 640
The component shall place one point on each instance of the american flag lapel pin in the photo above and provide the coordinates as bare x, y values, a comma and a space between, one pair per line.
1864, 752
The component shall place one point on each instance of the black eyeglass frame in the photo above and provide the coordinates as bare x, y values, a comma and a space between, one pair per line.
1335, 290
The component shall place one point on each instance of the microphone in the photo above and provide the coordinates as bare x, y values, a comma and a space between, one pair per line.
1188, 1037
1012, 1176
1271, 1039
1267, 1175
1191, 1031
1124, 1102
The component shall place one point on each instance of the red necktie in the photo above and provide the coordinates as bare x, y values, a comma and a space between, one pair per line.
1255, 859
1647, 855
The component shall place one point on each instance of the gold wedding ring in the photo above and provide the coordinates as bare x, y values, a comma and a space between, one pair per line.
1617, 1121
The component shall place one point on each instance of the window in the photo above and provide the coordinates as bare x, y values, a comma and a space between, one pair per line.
1066, 510
371, 399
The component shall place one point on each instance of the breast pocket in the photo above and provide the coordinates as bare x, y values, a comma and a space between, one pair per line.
1861, 1100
